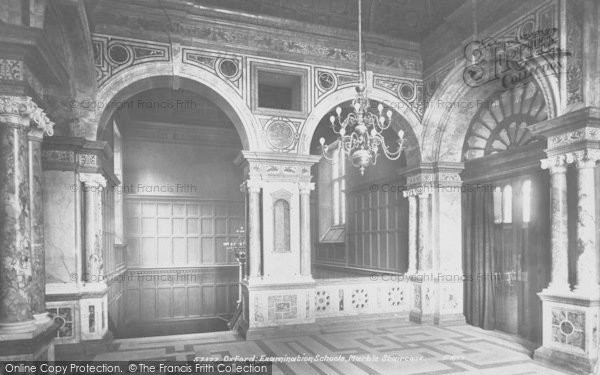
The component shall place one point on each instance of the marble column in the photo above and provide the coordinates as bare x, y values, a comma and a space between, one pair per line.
412, 234
587, 263
559, 233
19, 284
38, 296
93, 186
305, 244
424, 246
254, 250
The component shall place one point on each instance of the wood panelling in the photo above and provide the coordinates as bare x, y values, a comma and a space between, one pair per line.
161, 294
377, 230
177, 265
172, 232
376, 233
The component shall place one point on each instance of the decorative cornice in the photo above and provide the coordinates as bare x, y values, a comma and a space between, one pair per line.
22, 111
270, 166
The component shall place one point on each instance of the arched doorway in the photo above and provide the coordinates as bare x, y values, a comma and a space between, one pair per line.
360, 222
179, 202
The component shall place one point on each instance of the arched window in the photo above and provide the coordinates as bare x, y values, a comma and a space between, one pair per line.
526, 196
501, 121
281, 215
498, 205
507, 204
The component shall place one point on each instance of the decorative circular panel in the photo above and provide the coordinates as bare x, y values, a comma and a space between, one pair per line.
118, 53
566, 327
407, 91
326, 80
360, 298
228, 68
280, 134
322, 300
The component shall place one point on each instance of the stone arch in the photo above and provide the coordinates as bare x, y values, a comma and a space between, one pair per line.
453, 105
399, 106
161, 74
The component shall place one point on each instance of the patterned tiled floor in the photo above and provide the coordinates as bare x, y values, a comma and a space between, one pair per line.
425, 350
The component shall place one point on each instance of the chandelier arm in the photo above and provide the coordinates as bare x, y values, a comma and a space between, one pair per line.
392, 155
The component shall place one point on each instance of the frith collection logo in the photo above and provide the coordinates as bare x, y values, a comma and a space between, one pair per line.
513, 60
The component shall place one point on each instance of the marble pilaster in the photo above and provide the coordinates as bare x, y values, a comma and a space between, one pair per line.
93, 186
587, 263
559, 224
412, 234
38, 300
254, 243
305, 243
424, 257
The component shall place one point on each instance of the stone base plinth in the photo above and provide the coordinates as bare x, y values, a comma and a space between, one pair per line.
449, 303
28, 341
570, 329
81, 308
275, 308
423, 307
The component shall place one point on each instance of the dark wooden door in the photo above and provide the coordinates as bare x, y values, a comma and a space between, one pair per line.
521, 268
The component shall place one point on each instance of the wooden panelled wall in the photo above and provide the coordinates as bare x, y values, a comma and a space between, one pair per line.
114, 262
177, 264
376, 233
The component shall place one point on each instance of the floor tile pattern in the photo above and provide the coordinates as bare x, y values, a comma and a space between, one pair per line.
410, 349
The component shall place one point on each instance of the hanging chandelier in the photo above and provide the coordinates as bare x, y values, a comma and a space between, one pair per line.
360, 133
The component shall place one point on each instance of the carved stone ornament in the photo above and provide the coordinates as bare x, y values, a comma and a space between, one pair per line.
23, 111
92, 179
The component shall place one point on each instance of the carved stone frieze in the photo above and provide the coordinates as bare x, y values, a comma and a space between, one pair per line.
565, 139
11, 70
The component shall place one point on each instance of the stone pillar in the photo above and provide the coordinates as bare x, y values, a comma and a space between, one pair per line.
412, 234
587, 263
21, 276
424, 245
15, 227
305, 243
571, 320
93, 185
279, 295
38, 296
254, 230
559, 229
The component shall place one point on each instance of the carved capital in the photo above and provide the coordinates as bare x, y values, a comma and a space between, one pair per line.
92, 180
22, 111
586, 158
555, 164
251, 186
306, 187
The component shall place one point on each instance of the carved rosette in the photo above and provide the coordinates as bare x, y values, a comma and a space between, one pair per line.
22, 111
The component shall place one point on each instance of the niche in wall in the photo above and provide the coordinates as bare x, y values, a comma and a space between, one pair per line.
281, 222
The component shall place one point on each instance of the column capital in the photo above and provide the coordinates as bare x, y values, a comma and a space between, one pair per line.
555, 164
306, 187
251, 186
585, 158
92, 179
22, 111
